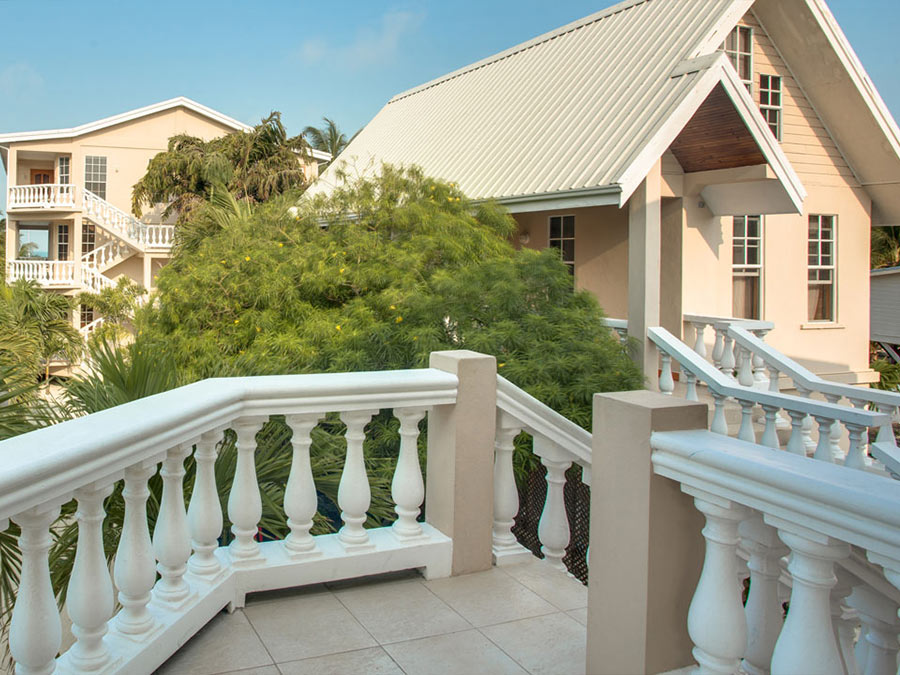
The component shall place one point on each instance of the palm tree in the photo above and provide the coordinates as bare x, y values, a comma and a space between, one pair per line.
885, 247
328, 139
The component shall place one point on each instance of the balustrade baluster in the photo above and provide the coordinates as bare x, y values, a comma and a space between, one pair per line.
807, 422
886, 432
719, 644
354, 494
699, 343
796, 443
834, 436
553, 528
89, 597
856, 454
719, 424
408, 487
844, 620
171, 538
135, 567
300, 500
506, 497
745, 370
759, 364
728, 360
718, 346
204, 513
807, 642
244, 500
823, 447
691, 385
878, 615
746, 432
666, 381
770, 435
763, 609
35, 631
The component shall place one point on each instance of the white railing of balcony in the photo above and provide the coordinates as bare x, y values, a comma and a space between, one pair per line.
725, 355
619, 327
559, 443
771, 504
721, 387
88, 329
125, 225
94, 281
46, 196
105, 256
47, 273
86, 457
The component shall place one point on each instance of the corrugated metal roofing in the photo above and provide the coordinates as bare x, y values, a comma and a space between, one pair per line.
569, 110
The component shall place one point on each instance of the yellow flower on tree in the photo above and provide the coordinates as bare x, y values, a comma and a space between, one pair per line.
237, 320
398, 319
247, 258
337, 327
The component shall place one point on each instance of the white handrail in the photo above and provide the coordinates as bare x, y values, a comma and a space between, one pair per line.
55, 273
43, 196
540, 419
125, 225
709, 320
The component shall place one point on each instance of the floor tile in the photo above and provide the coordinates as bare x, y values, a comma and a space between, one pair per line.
462, 653
580, 615
544, 645
226, 643
489, 597
373, 661
400, 610
307, 625
554, 586
262, 670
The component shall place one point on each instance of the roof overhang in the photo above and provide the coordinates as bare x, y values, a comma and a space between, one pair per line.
179, 102
783, 193
606, 195
842, 95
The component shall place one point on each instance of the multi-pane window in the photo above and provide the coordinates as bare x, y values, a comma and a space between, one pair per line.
821, 268
88, 238
746, 267
64, 172
62, 242
86, 316
770, 102
739, 48
562, 236
95, 175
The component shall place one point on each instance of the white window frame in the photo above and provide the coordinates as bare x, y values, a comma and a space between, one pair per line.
771, 100
817, 262
557, 242
63, 239
64, 170
743, 268
92, 174
735, 54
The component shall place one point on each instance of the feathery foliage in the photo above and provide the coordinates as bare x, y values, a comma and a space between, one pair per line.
885, 247
252, 165
329, 138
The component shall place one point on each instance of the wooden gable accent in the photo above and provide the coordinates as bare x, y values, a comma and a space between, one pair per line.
716, 138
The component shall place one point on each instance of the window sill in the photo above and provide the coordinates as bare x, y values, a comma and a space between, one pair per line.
823, 325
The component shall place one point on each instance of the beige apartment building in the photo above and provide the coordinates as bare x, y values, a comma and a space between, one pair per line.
69, 221
707, 161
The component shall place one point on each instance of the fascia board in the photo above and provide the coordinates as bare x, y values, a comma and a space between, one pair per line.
606, 195
107, 122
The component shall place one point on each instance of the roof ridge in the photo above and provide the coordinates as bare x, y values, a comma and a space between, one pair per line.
522, 46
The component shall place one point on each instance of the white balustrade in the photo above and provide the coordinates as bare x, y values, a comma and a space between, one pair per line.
125, 225
878, 645
204, 514
300, 500
171, 537
354, 494
408, 487
244, 500
47, 273
44, 196
506, 497
553, 529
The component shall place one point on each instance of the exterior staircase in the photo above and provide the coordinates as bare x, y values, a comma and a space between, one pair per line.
124, 226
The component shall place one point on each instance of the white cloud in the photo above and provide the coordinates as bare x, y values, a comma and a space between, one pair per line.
20, 81
371, 46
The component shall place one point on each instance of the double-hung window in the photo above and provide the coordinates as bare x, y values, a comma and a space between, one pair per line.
746, 269
739, 48
562, 237
64, 170
822, 268
62, 242
88, 238
770, 102
95, 175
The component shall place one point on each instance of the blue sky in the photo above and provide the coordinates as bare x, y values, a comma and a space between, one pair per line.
63, 63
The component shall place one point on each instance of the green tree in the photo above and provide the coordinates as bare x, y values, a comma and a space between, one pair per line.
329, 138
117, 305
252, 165
885, 247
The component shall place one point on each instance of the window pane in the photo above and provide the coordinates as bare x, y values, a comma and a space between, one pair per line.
821, 302
745, 299
739, 226
568, 250
33, 244
555, 227
569, 226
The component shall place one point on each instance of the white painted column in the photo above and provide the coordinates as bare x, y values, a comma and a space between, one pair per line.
407, 486
89, 597
204, 513
244, 500
354, 494
135, 567
300, 500
35, 631
644, 259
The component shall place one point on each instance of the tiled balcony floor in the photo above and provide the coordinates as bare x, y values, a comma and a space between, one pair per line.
527, 618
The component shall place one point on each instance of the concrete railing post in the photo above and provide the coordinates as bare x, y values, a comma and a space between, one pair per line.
646, 547
459, 499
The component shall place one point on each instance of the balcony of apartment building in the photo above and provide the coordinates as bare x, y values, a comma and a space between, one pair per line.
42, 182
686, 504
41, 251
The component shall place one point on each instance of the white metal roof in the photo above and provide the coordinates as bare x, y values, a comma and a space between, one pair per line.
567, 112
179, 101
